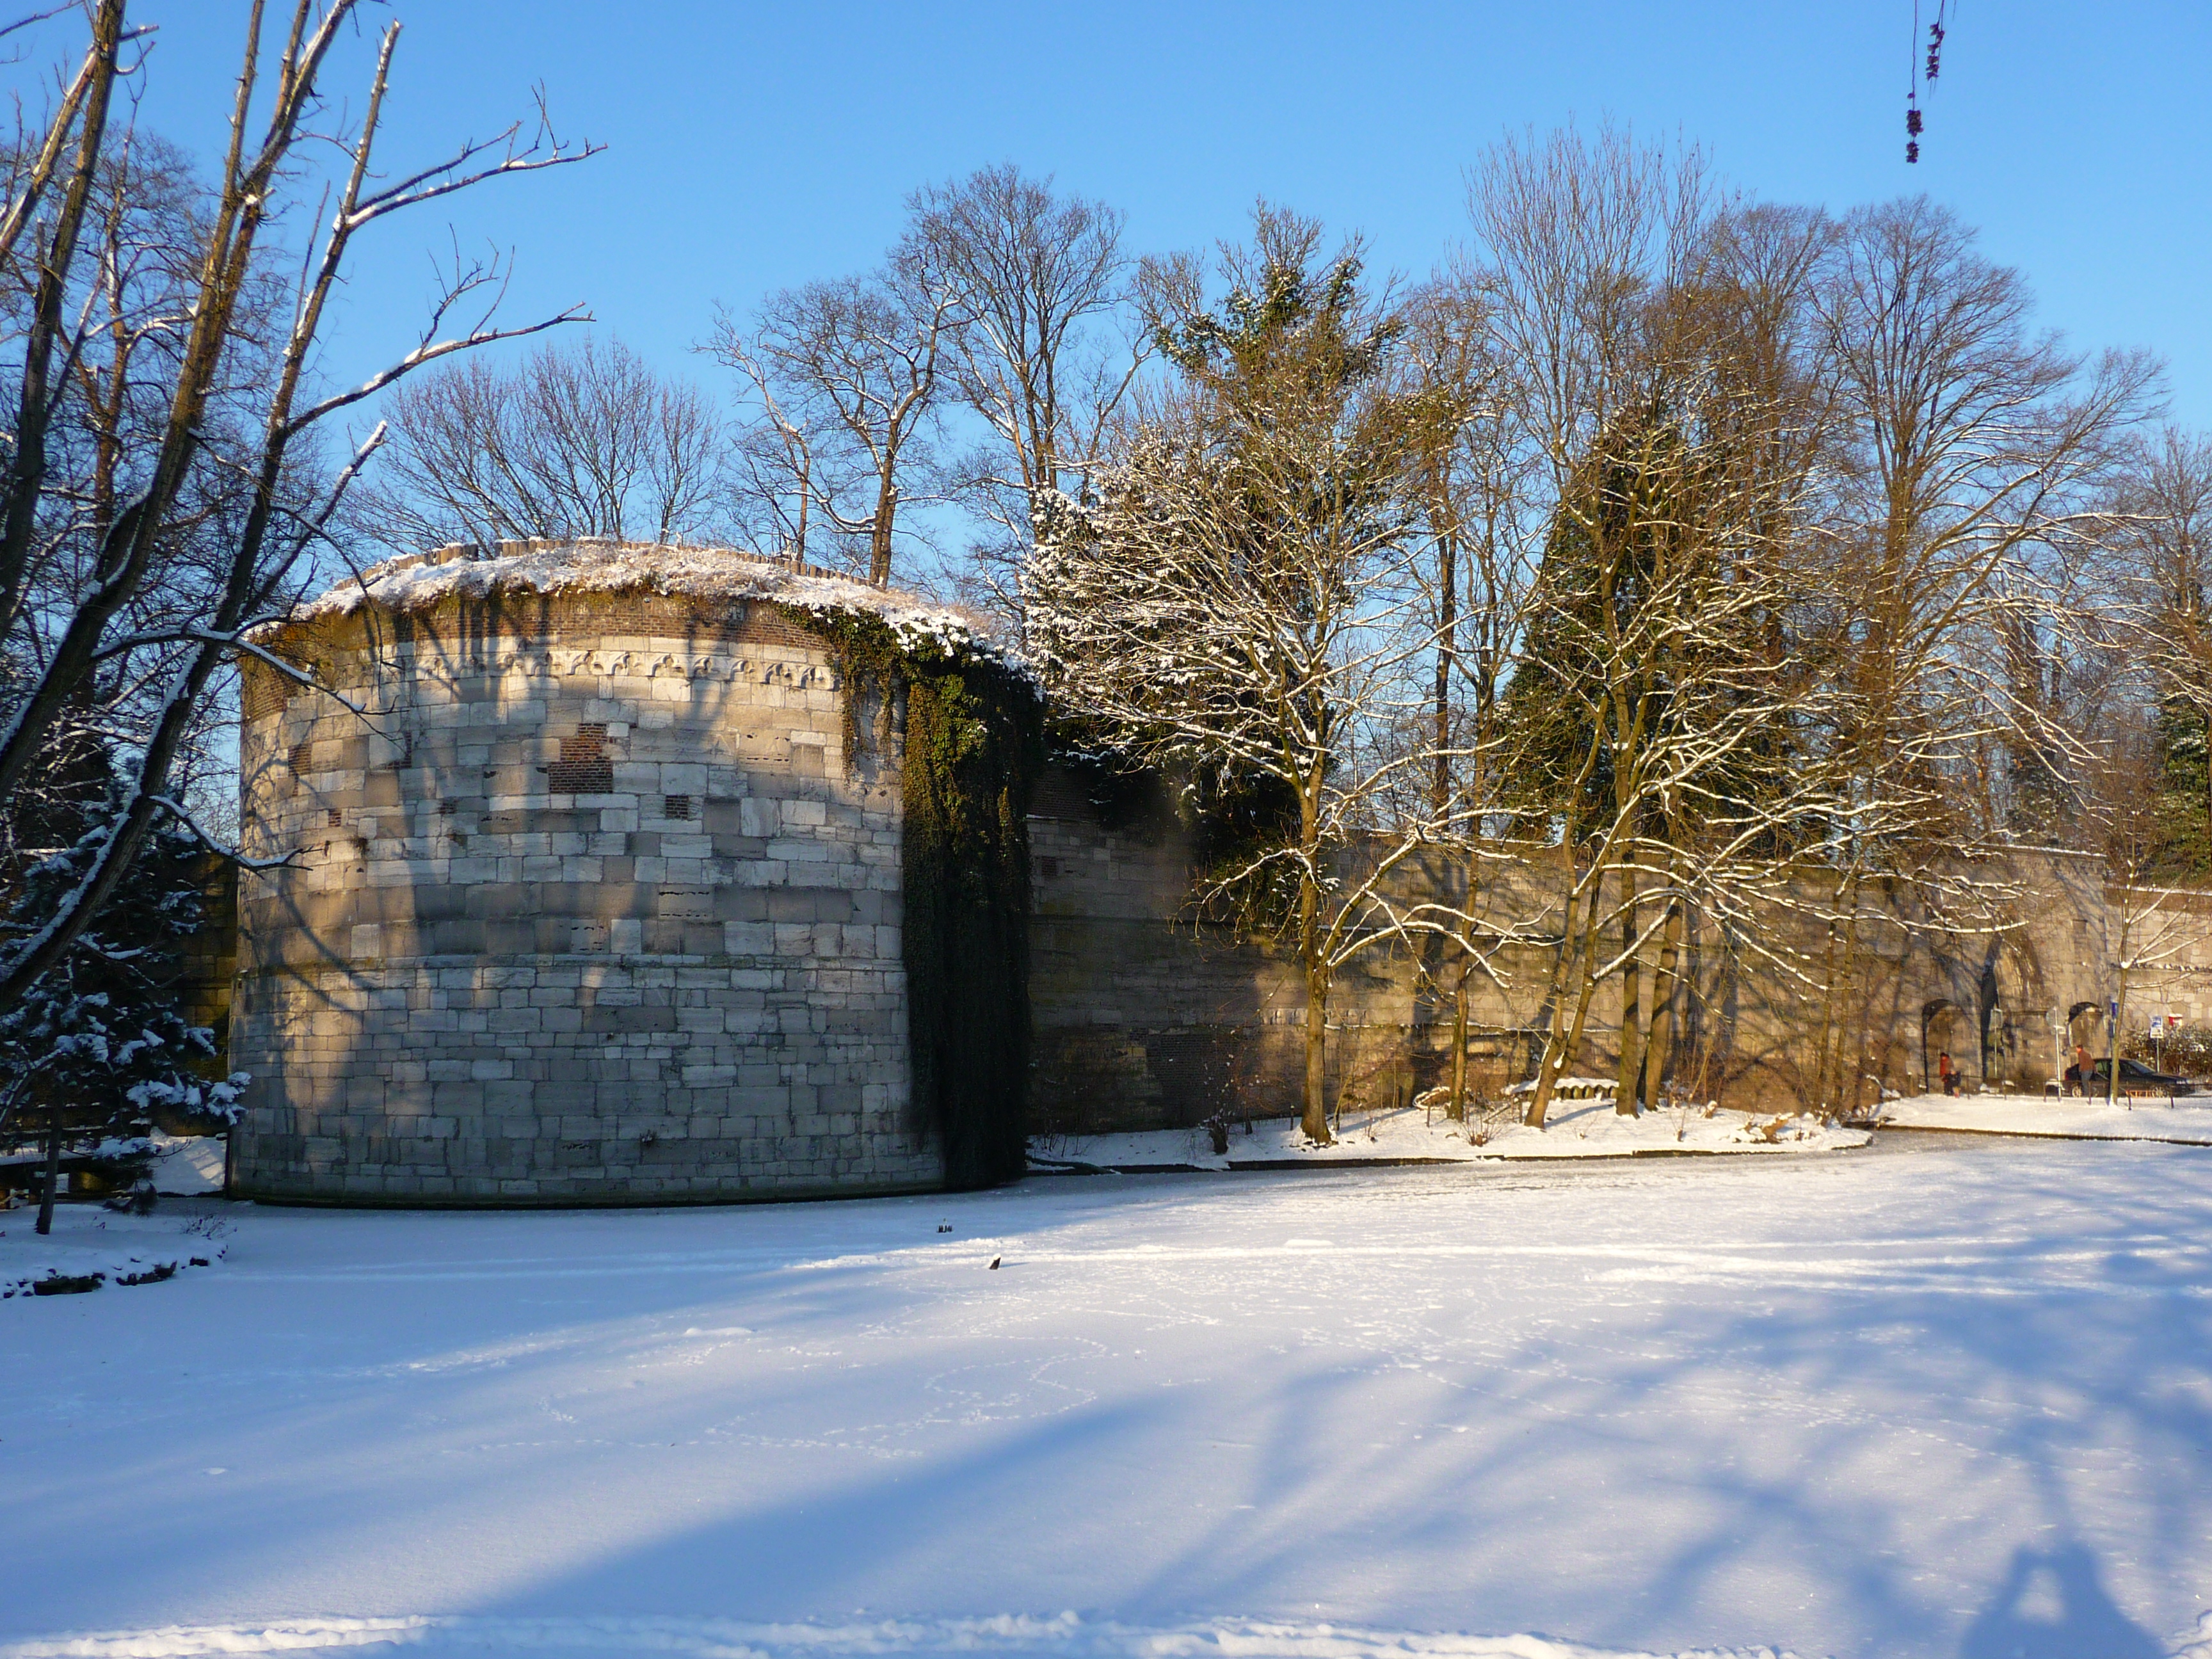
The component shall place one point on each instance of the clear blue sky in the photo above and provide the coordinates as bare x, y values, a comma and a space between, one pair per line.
755, 145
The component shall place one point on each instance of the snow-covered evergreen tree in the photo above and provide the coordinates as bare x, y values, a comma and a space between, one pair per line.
103, 1043
1238, 603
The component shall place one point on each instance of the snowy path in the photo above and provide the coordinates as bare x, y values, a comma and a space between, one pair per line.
2186, 1122
1407, 1134
1954, 1401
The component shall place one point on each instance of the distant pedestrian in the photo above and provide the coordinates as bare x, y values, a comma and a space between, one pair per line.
1945, 1073
2080, 1072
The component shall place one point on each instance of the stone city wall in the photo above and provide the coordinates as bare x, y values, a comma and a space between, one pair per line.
1145, 1018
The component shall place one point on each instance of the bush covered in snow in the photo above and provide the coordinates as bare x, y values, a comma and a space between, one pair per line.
102, 1045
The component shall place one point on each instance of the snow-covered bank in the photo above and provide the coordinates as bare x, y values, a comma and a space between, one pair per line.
1066, 1637
2185, 1123
1915, 1406
110, 1251
1577, 1129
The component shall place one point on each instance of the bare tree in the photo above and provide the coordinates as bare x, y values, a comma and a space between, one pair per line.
1037, 355
1643, 686
1471, 476
1967, 447
131, 293
845, 378
2118, 799
577, 439
279, 518
84, 113
778, 468
1653, 708
2158, 560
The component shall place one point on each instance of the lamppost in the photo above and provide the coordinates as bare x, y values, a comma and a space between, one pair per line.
2111, 1051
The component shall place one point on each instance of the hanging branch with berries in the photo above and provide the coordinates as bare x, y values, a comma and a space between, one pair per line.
1925, 67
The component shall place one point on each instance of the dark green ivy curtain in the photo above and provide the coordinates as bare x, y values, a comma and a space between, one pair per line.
974, 734
975, 738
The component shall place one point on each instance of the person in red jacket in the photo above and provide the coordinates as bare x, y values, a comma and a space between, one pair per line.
1946, 1075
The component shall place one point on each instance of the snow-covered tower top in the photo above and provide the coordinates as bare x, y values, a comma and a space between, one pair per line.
417, 582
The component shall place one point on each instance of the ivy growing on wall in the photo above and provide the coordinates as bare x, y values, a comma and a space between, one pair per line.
973, 736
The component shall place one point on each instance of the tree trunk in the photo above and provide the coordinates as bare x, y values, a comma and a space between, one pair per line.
1440, 782
1447, 644
1548, 1061
1316, 1120
879, 529
1548, 1068
46, 326
1840, 1080
1827, 1051
1577, 942
2119, 1012
53, 1175
1459, 1043
1553, 1057
1570, 1043
1659, 1051
1628, 1085
805, 505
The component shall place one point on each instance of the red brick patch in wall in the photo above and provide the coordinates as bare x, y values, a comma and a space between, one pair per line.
583, 768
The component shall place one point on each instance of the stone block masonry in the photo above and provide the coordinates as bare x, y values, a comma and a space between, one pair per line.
587, 906
590, 903
1148, 1018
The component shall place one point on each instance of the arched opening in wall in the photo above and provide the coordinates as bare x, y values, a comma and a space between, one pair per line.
1943, 1025
2084, 1037
2016, 1018
2041, 1034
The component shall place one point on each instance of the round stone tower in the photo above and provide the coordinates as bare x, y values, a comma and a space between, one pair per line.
590, 895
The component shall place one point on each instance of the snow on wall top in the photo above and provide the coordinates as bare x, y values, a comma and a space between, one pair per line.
416, 581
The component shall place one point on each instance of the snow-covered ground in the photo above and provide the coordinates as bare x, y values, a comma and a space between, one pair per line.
1576, 1128
1941, 1397
2186, 1121
89, 1243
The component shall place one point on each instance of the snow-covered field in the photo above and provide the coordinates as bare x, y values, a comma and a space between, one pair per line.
2187, 1121
1936, 1398
87, 1243
1576, 1128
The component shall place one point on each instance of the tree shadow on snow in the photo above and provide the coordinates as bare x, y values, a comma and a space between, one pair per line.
1782, 1438
1861, 1423
2052, 1605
